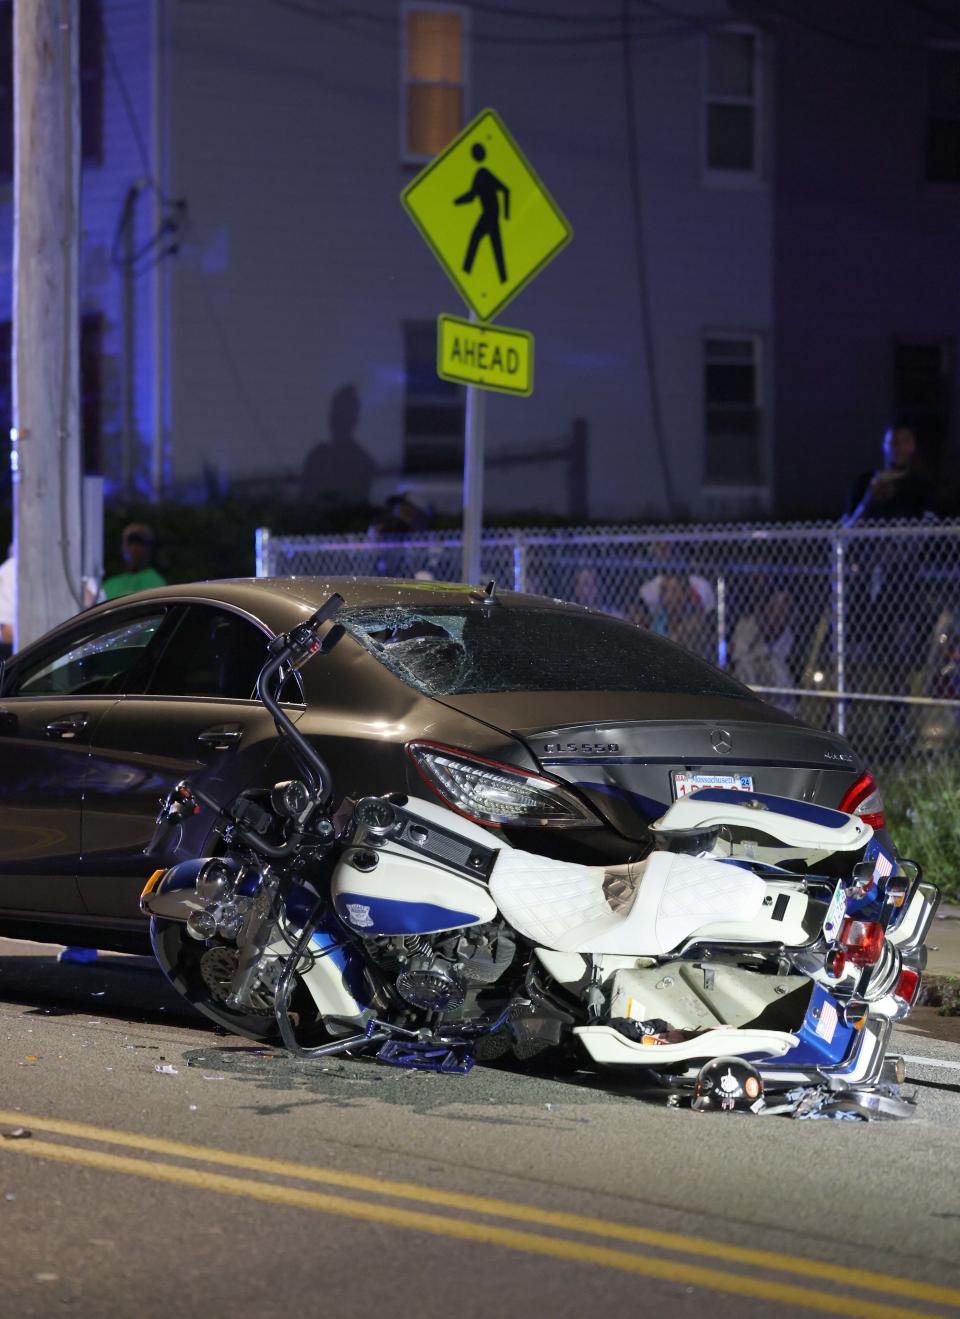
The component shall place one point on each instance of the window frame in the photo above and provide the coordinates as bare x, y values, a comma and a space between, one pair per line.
712, 175
410, 158
67, 641
181, 606
761, 405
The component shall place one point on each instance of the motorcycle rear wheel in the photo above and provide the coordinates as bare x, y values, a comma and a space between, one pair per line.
179, 957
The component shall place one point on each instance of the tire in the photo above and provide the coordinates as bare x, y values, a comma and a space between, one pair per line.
179, 957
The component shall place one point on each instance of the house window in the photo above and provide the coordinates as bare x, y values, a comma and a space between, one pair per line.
943, 114
434, 412
434, 78
733, 85
922, 375
91, 85
733, 406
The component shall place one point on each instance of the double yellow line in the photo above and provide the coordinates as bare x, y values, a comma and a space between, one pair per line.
568, 1248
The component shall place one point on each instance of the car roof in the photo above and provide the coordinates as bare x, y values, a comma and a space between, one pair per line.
358, 592
281, 602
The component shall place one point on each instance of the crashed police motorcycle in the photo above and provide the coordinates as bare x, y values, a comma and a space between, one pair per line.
758, 928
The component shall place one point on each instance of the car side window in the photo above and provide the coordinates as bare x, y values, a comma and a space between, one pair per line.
211, 652
91, 662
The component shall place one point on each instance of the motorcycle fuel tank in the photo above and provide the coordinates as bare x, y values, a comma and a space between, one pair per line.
389, 892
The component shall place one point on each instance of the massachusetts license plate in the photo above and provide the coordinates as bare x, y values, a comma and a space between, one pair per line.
685, 782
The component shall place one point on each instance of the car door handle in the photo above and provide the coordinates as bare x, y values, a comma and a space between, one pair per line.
67, 727
221, 736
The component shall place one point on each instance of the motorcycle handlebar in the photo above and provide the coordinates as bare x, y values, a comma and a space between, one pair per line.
290, 647
326, 611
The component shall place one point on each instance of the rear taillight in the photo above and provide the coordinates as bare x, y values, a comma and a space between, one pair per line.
861, 941
491, 793
865, 801
907, 986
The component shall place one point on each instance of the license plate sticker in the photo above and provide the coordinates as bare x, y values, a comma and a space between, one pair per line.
685, 782
835, 914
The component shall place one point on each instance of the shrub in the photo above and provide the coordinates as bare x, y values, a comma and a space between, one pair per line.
942, 993
923, 816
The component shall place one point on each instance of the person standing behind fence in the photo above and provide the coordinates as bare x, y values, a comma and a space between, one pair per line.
400, 519
680, 615
136, 546
897, 489
761, 646
664, 553
588, 591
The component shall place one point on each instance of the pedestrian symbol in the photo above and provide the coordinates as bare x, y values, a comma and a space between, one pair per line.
486, 189
491, 223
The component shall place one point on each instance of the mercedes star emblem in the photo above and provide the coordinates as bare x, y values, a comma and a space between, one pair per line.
721, 741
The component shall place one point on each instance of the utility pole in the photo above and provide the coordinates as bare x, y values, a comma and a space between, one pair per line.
45, 452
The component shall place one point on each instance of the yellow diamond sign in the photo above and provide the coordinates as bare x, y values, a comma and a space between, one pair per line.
491, 223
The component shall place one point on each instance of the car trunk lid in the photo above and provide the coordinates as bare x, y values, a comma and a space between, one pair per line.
630, 755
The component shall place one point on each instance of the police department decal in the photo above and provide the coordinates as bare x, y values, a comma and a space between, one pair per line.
358, 914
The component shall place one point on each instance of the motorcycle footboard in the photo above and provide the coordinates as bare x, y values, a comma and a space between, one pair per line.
606, 1045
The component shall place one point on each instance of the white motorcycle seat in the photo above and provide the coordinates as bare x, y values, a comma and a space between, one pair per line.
562, 906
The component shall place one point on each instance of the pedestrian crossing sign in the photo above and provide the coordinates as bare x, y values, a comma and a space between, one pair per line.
486, 215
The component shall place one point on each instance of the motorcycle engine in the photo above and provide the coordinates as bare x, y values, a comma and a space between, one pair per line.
445, 972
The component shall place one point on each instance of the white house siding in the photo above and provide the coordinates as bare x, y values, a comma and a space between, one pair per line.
301, 266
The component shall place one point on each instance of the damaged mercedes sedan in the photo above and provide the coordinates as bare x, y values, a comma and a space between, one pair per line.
568, 730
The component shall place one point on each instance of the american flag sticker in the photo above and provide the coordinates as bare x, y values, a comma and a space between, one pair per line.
883, 866
827, 1024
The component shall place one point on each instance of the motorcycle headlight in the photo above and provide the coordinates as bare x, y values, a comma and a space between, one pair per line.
491, 793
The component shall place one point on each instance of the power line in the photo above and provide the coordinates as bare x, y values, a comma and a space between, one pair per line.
650, 31
127, 104
643, 283
176, 209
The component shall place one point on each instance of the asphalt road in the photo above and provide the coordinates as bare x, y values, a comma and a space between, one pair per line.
243, 1182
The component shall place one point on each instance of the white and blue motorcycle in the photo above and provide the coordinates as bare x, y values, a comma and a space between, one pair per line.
759, 927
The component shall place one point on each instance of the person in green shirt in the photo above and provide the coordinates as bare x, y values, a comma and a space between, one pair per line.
137, 548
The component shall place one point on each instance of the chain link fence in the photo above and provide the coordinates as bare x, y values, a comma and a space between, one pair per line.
853, 629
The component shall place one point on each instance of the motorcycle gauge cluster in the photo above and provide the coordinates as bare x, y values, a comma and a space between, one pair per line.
290, 799
376, 814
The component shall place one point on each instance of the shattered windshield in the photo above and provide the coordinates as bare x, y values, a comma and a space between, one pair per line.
451, 652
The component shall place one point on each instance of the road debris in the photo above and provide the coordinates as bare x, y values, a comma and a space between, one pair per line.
167, 1069
18, 1133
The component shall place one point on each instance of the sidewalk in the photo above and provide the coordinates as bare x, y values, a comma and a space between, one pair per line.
943, 943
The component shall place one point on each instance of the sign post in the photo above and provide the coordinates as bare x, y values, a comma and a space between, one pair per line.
473, 449
493, 226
